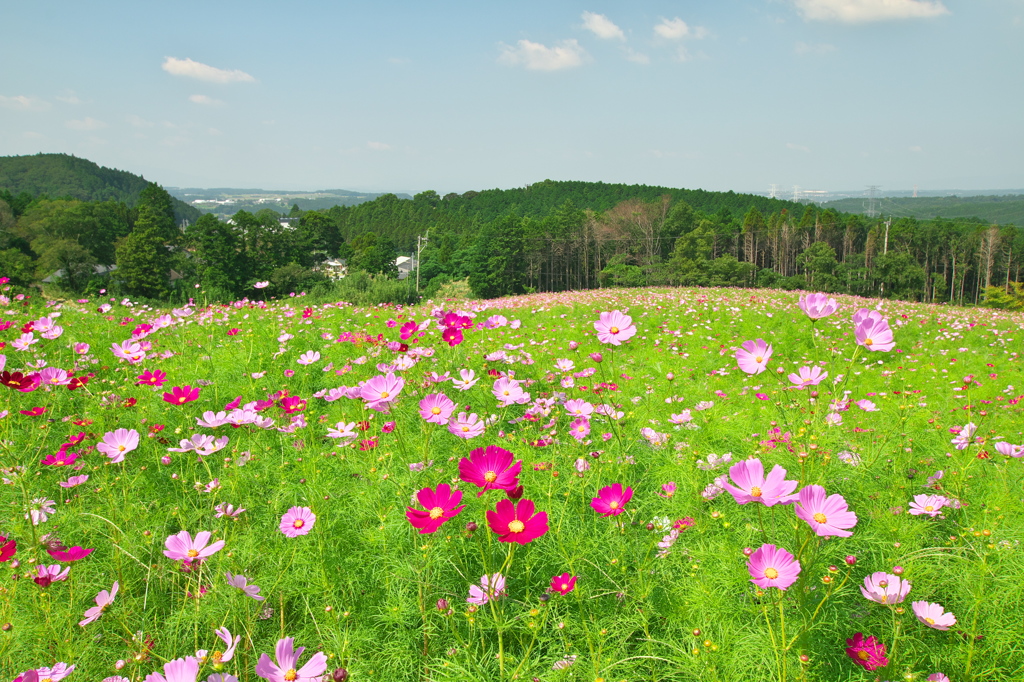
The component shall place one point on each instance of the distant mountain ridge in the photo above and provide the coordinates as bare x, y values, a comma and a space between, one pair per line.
63, 175
996, 209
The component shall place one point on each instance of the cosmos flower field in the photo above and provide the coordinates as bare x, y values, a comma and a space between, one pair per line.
669, 484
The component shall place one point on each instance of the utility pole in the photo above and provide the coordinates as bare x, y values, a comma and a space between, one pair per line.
419, 247
885, 250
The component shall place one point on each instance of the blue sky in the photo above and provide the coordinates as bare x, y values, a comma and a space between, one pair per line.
453, 96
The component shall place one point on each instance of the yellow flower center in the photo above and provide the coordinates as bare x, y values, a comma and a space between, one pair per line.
565, 586
491, 477
820, 518
929, 508
755, 491
291, 675
885, 599
298, 523
930, 621
436, 513
217, 656
181, 399
516, 526
465, 429
120, 448
504, 392
869, 342
758, 359
614, 330
435, 410
613, 505
771, 573
384, 394
863, 655
192, 553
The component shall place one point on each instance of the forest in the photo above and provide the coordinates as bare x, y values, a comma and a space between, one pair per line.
549, 236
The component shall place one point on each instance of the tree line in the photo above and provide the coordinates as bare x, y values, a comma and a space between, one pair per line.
551, 236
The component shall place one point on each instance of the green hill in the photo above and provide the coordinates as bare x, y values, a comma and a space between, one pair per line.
64, 176
999, 210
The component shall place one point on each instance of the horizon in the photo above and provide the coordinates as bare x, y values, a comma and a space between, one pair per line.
454, 96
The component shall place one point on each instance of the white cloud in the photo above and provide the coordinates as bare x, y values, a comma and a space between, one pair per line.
24, 103
214, 131
602, 26
378, 146
672, 29
802, 48
797, 147
87, 123
138, 122
564, 55
916, 149
203, 99
204, 72
30, 135
637, 57
69, 99
863, 11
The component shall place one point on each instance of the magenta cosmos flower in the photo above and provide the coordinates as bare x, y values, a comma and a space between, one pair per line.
752, 486
753, 356
440, 506
180, 395
182, 546
7, 548
179, 670
828, 516
614, 328
116, 443
297, 521
103, 600
563, 584
874, 334
868, 653
885, 588
933, 616
380, 391
491, 469
611, 500
287, 657
772, 566
154, 378
437, 408
517, 523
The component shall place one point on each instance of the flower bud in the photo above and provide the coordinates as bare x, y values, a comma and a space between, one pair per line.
544, 597
339, 675
121, 663
670, 376
898, 570
747, 551
596, 357
515, 494
442, 605
471, 526
851, 560
573, 345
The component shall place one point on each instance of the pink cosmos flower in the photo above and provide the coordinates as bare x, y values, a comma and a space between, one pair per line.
466, 426
58, 672
223, 509
380, 391
467, 379
772, 566
579, 407
309, 357
1009, 449
517, 523
103, 600
817, 306
287, 658
45, 575
868, 653
614, 328
437, 408
808, 376
182, 546
116, 443
752, 486
874, 334
179, 670
753, 356
885, 588
933, 615
491, 469
563, 584
827, 516
440, 506
508, 391
297, 521
928, 504
580, 428
241, 582
937, 677
180, 395
490, 587
611, 500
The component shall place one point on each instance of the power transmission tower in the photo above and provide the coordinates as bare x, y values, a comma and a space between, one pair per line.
772, 192
796, 192
871, 205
